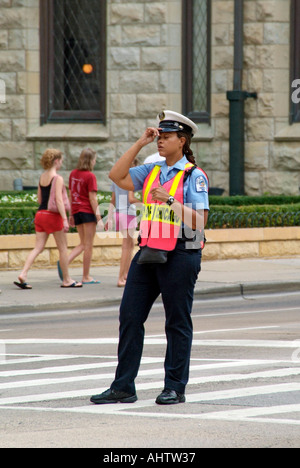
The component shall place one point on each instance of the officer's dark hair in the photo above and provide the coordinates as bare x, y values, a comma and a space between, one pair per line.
187, 149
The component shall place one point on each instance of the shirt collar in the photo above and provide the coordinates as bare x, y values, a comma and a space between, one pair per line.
180, 165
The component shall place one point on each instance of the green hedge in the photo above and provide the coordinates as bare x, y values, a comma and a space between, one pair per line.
29, 198
255, 208
264, 211
17, 210
247, 219
240, 200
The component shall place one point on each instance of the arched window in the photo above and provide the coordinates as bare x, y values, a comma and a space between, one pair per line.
73, 60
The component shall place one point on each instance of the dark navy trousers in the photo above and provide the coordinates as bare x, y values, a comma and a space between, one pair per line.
175, 280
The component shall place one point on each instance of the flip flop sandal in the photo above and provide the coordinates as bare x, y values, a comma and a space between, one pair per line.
23, 285
73, 285
91, 282
59, 270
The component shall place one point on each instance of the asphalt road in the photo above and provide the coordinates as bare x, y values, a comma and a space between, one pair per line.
244, 388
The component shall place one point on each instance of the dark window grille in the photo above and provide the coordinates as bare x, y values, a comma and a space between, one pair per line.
73, 60
295, 58
196, 59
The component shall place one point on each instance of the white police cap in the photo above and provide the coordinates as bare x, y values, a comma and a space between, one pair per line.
170, 121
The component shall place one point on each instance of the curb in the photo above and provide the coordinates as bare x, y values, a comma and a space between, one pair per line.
58, 306
213, 292
242, 289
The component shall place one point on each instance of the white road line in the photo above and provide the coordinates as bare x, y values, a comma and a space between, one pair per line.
199, 397
261, 414
221, 330
236, 414
71, 368
249, 343
256, 415
100, 365
239, 415
26, 360
110, 411
50, 396
158, 305
226, 330
242, 415
57, 369
193, 381
49, 341
247, 312
234, 343
244, 392
159, 341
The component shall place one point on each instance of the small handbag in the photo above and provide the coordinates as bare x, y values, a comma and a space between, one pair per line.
149, 255
52, 206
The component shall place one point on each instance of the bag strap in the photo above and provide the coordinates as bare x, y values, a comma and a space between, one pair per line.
189, 173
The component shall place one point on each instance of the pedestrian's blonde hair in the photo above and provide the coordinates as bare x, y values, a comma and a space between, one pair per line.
49, 157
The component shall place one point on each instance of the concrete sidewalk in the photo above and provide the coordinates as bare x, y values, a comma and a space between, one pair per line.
217, 279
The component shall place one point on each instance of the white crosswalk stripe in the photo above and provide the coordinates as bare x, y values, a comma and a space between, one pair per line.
26, 381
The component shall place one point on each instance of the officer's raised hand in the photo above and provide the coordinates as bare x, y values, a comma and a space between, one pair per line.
149, 136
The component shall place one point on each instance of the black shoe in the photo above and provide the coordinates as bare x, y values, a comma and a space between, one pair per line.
113, 396
170, 397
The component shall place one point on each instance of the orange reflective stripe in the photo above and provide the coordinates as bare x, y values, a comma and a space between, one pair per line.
152, 178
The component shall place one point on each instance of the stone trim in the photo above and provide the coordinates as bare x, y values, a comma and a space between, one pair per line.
289, 133
205, 133
221, 244
252, 243
69, 132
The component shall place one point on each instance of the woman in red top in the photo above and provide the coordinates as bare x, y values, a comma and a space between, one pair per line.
84, 208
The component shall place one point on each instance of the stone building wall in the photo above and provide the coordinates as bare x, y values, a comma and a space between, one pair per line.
143, 77
272, 153
272, 158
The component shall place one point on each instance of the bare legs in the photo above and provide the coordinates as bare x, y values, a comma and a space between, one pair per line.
61, 242
86, 233
126, 256
40, 242
41, 239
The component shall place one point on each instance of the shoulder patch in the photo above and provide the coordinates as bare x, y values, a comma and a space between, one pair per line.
201, 184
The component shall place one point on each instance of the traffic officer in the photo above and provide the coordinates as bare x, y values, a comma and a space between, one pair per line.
175, 196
